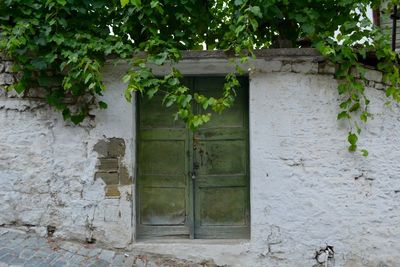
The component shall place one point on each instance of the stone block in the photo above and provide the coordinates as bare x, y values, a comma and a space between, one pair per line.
112, 191
354, 73
109, 178
286, 67
36, 93
373, 75
101, 147
124, 178
116, 147
268, 66
6, 79
2, 67
305, 67
112, 147
108, 164
9, 67
326, 68
379, 86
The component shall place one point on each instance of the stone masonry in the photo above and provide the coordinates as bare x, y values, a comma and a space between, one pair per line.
308, 193
111, 169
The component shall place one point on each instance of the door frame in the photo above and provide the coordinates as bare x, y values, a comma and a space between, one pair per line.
191, 195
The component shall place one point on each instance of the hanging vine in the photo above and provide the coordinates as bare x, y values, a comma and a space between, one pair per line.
61, 45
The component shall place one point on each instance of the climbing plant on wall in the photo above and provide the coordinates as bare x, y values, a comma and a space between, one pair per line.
61, 45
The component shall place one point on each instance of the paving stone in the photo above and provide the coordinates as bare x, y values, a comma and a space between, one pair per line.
27, 253
59, 263
76, 260
70, 247
100, 263
86, 251
67, 255
94, 252
89, 261
129, 261
34, 242
8, 258
10, 236
15, 242
53, 256
5, 251
107, 255
36, 262
3, 231
29, 250
118, 260
17, 262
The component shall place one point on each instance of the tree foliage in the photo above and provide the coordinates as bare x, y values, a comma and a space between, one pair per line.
61, 45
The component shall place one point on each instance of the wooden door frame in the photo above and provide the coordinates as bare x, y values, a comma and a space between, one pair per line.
190, 201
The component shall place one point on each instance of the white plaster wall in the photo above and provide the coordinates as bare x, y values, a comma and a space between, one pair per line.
307, 191
47, 169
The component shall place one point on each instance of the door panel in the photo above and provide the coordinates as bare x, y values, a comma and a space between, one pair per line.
162, 174
163, 206
218, 208
215, 204
221, 159
212, 157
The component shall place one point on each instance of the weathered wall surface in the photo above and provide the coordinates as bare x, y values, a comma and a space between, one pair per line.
307, 191
48, 169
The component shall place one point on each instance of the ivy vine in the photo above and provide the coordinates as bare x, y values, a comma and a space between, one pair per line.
59, 46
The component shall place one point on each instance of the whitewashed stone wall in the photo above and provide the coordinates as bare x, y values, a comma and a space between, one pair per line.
47, 169
307, 191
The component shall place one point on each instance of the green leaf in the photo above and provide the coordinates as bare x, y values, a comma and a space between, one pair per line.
76, 119
124, 2
136, 3
39, 63
343, 115
364, 116
62, 2
151, 92
128, 94
238, 2
88, 77
352, 148
355, 107
102, 105
364, 152
256, 11
352, 139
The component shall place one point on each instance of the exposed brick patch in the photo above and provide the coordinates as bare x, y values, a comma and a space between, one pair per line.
111, 169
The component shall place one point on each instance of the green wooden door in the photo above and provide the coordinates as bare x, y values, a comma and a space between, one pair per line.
162, 172
193, 184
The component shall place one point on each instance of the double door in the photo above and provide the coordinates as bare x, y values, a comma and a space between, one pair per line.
193, 184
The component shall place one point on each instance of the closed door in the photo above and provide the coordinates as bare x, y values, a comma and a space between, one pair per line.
193, 184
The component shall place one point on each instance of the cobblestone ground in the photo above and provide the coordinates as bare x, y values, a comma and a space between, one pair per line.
28, 250
21, 249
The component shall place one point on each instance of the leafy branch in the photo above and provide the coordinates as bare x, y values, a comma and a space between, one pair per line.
59, 46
